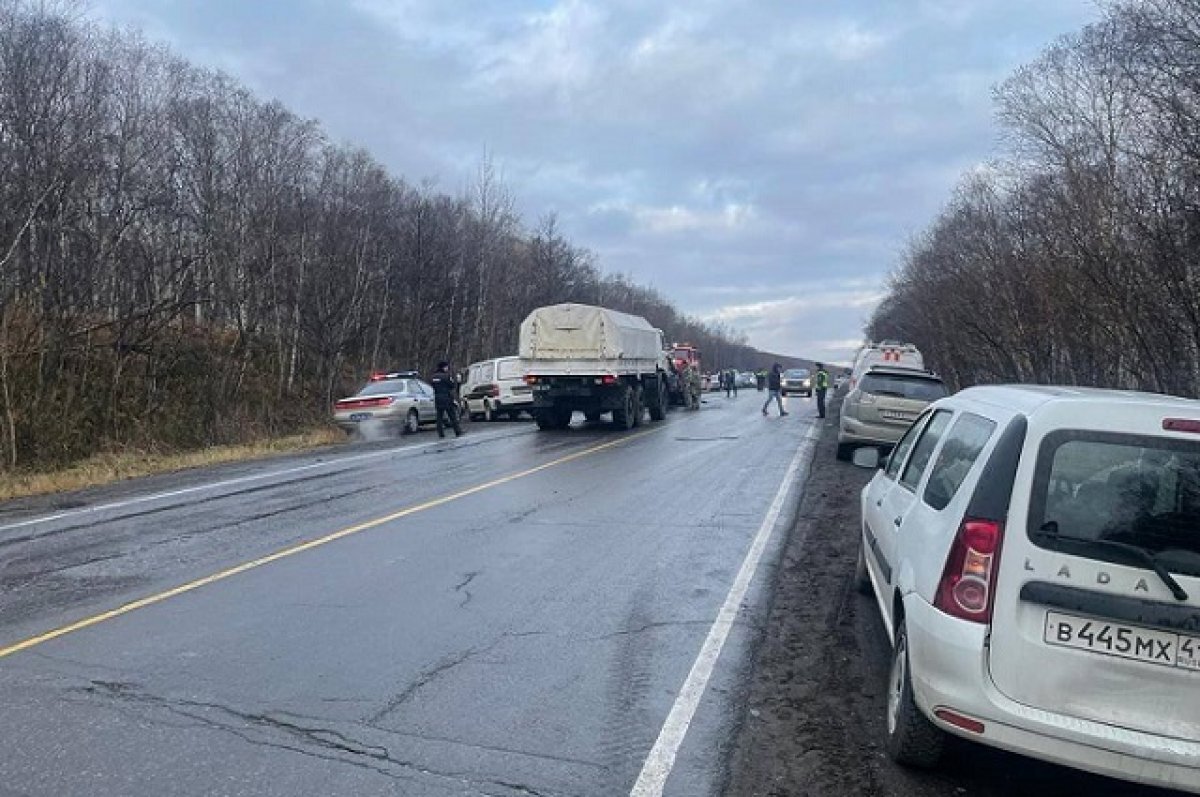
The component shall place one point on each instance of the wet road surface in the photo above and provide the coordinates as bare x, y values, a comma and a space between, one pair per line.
509, 613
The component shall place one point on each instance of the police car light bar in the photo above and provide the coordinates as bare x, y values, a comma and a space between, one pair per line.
381, 377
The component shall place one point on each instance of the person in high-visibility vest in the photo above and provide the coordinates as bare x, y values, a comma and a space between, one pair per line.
821, 387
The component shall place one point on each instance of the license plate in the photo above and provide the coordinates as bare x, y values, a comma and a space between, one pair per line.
1149, 645
360, 416
892, 415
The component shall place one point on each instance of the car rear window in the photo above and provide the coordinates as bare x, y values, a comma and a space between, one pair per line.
1134, 490
918, 388
383, 388
963, 445
510, 369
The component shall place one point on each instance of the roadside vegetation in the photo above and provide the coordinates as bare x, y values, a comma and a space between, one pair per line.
1075, 257
184, 265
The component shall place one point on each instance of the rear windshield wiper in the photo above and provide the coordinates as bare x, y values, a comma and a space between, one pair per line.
1050, 529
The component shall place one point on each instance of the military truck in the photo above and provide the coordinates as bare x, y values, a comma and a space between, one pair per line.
593, 360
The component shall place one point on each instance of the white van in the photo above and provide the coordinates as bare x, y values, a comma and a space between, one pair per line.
887, 353
1035, 554
495, 388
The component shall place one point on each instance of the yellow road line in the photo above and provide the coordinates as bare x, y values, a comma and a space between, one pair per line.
150, 600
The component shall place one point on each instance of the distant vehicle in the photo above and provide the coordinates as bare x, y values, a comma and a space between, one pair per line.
393, 403
796, 380
593, 360
889, 353
496, 388
879, 409
1035, 557
745, 379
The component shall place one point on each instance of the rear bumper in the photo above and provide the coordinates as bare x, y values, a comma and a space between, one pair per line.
500, 403
870, 433
949, 670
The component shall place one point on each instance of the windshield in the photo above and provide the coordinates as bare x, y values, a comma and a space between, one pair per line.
795, 373
918, 388
1143, 491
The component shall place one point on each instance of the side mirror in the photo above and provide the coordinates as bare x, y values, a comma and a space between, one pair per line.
867, 457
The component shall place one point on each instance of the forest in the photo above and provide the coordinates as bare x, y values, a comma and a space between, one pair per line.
183, 264
1074, 257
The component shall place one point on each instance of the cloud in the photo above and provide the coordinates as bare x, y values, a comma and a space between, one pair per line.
760, 162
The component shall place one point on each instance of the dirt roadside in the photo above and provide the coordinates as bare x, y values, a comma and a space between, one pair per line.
814, 719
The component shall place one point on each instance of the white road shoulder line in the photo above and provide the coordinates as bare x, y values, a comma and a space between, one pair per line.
142, 499
661, 760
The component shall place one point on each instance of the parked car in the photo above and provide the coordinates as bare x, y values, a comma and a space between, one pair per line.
796, 380
495, 388
392, 403
745, 379
880, 408
1035, 555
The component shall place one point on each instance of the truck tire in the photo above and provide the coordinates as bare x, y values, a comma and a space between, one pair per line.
623, 418
546, 419
638, 409
658, 403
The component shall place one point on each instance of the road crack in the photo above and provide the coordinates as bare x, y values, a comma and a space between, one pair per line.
313, 741
462, 587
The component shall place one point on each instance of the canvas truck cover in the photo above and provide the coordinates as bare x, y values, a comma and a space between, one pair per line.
564, 332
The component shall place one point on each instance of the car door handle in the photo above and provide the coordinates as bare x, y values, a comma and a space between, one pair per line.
897, 522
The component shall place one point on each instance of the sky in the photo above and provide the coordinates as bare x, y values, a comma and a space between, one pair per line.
762, 163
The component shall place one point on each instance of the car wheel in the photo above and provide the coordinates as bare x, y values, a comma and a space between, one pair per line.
911, 738
412, 422
845, 452
862, 579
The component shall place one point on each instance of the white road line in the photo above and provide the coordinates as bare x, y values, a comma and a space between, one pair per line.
142, 499
661, 760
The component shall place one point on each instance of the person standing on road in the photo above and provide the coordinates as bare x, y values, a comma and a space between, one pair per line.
773, 389
692, 386
445, 399
821, 387
731, 383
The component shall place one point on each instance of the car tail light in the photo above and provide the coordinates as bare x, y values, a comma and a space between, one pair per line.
531, 379
364, 403
1181, 425
968, 585
491, 390
607, 379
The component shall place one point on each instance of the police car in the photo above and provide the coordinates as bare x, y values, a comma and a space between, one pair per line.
390, 403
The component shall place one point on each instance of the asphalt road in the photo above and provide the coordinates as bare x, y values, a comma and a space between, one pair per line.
509, 613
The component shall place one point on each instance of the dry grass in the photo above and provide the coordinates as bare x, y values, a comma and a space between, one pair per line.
117, 466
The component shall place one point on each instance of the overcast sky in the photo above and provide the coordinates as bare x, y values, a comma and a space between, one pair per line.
761, 162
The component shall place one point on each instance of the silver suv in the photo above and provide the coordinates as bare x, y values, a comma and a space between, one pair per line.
883, 404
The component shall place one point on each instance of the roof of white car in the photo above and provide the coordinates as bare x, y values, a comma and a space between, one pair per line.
1026, 399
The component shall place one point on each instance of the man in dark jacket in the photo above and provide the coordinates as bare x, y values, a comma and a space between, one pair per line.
773, 388
445, 399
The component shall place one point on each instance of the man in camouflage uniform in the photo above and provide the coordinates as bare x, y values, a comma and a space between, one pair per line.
692, 393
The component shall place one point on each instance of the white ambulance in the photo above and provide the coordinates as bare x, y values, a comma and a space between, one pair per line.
889, 353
